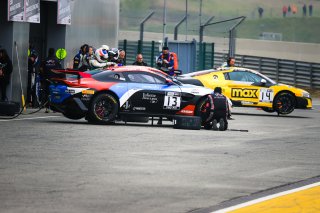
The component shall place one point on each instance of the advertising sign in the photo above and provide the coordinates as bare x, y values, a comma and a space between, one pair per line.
32, 11
64, 12
15, 10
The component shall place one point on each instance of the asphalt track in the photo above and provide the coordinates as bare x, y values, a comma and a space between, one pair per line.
51, 164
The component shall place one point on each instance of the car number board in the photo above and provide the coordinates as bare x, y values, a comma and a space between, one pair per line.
172, 100
266, 95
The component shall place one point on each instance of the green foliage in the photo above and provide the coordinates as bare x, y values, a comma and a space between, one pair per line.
292, 29
136, 5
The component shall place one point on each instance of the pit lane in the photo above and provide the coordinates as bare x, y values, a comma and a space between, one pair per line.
51, 164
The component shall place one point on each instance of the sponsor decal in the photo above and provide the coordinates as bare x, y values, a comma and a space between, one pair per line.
194, 91
247, 103
152, 98
88, 92
244, 93
186, 111
70, 91
139, 108
215, 77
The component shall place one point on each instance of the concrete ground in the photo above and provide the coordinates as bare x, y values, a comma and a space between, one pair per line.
51, 164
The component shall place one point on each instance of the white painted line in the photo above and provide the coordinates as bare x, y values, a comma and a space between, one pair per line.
21, 119
269, 197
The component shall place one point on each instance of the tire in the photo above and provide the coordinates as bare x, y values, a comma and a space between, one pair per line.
103, 109
203, 109
270, 110
284, 103
73, 115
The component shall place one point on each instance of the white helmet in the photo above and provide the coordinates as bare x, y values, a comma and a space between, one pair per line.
106, 47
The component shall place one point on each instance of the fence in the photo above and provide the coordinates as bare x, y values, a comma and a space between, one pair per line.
296, 73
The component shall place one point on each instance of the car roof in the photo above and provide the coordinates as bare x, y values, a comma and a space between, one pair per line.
218, 69
133, 68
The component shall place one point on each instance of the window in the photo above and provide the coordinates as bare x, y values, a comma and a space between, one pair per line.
244, 76
144, 78
108, 76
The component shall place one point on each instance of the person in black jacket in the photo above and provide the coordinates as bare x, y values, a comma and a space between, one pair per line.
139, 61
219, 120
50, 63
5, 73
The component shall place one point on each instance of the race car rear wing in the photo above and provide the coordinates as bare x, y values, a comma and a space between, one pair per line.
62, 73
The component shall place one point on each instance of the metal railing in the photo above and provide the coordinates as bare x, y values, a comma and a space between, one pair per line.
296, 73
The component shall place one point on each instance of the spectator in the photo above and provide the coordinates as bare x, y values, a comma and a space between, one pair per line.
139, 61
284, 11
304, 10
78, 60
32, 66
5, 73
260, 10
310, 9
289, 10
294, 9
51, 62
122, 58
229, 63
88, 57
167, 61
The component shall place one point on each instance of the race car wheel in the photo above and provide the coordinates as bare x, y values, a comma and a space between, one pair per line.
284, 103
73, 115
103, 109
203, 109
266, 109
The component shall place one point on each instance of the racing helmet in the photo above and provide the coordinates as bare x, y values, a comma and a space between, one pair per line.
113, 53
106, 47
103, 53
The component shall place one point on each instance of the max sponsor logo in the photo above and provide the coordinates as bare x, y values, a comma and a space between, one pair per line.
244, 93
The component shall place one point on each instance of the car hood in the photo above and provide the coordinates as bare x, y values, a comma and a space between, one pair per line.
297, 91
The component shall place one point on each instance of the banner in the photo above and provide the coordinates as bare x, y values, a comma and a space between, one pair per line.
64, 12
15, 10
32, 11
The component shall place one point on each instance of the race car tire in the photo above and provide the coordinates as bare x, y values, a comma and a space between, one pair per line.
266, 109
203, 110
284, 103
72, 115
103, 109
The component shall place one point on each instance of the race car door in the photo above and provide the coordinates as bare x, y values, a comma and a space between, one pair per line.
152, 94
248, 88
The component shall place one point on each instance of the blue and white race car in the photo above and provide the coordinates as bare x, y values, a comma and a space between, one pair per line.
101, 96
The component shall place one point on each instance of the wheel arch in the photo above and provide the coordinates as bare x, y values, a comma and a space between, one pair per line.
107, 92
285, 91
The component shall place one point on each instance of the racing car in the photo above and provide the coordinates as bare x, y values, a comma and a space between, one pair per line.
249, 88
104, 95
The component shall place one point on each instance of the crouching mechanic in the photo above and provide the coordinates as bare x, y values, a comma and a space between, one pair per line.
220, 111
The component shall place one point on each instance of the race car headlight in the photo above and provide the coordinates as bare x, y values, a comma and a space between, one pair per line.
305, 94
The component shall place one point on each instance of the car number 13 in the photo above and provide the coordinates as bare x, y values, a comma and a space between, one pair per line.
266, 95
172, 100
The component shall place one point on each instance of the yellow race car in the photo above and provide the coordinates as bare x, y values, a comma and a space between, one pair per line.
249, 88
